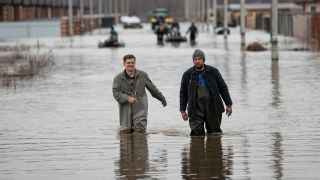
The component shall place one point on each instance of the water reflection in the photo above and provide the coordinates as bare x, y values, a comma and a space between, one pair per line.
13, 82
277, 154
215, 44
244, 76
226, 44
226, 66
175, 44
276, 101
246, 162
160, 43
134, 161
205, 159
114, 59
193, 43
8, 82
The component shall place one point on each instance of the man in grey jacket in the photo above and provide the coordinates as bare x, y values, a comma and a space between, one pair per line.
129, 91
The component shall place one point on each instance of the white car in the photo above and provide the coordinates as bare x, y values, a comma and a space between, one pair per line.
131, 22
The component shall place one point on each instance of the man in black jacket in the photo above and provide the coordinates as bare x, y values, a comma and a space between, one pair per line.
193, 32
202, 88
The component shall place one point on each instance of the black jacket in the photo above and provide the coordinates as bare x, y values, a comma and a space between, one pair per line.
216, 85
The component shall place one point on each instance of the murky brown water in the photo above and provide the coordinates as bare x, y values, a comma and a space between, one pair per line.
63, 124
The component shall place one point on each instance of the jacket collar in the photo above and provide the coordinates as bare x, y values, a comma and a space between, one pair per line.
123, 74
204, 70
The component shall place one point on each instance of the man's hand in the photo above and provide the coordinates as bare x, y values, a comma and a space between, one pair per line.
164, 103
228, 110
132, 99
184, 115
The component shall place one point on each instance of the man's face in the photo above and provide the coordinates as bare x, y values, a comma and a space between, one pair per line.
130, 64
198, 62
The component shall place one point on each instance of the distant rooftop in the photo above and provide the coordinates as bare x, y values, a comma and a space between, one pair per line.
262, 6
267, 1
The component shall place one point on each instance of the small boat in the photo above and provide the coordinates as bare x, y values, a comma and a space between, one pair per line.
255, 46
220, 30
176, 39
108, 44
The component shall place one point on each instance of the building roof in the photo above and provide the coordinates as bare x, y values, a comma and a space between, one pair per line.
55, 3
265, 6
267, 1
299, 1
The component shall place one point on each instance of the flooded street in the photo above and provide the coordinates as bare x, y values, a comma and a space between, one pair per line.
63, 124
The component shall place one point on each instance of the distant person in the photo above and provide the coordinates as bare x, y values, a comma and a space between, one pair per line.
193, 30
175, 29
161, 31
113, 35
129, 91
202, 88
160, 20
175, 25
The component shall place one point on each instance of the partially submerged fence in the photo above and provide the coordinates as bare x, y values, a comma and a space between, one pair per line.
303, 26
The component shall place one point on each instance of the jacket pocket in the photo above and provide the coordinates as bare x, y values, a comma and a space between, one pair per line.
218, 104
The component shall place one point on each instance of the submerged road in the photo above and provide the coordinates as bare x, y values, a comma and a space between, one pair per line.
64, 124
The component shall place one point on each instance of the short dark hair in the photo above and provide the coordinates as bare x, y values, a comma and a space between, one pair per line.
128, 56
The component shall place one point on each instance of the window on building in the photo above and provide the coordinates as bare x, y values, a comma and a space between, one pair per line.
313, 9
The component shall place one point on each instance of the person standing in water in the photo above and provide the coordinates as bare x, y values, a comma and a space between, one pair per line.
203, 91
193, 30
129, 91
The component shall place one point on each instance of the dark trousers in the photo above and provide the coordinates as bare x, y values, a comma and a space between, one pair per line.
192, 37
203, 118
160, 38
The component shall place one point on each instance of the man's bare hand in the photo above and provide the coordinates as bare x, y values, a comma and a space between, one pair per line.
229, 110
184, 115
132, 99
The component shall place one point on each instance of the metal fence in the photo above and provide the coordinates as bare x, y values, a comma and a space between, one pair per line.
34, 29
303, 26
315, 30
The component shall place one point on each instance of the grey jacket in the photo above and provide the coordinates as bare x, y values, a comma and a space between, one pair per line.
130, 114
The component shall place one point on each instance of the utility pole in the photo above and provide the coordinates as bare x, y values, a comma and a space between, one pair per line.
81, 16
274, 35
128, 7
81, 9
100, 14
195, 10
225, 19
208, 14
203, 10
70, 10
120, 7
91, 15
116, 11
110, 7
214, 4
105, 6
199, 10
242, 27
100, 7
186, 10
192, 10
124, 13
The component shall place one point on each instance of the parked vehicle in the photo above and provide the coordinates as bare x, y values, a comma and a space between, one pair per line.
159, 16
131, 22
